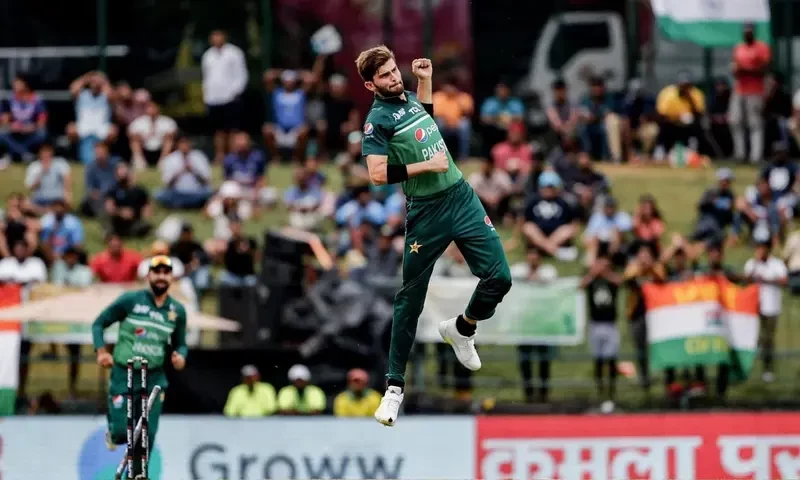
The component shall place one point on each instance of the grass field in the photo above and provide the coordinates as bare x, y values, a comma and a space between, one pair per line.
677, 192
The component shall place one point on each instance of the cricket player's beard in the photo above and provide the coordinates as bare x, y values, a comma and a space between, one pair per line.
159, 287
391, 92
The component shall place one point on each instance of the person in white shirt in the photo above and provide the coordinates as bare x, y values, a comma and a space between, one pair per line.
224, 80
151, 136
186, 174
227, 204
772, 275
21, 267
93, 96
48, 178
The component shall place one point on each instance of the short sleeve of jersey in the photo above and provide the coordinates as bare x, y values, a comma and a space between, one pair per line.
376, 137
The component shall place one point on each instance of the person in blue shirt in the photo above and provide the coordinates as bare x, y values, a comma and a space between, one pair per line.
92, 92
99, 179
350, 216
247, 166
286, 128
23, 120
550, 221
60, 231
498, 112
596, 106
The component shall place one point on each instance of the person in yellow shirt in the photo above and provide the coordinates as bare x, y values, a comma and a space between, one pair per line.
453, 110
680, 107
358, 400
301, 398
252, 398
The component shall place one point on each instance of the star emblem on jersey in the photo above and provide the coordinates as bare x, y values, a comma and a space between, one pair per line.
368, 128
171, 316
415, 247
421, 135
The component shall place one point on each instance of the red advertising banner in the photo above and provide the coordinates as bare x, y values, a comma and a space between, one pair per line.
757, 446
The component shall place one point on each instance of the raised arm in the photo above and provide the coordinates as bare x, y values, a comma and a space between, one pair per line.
423, 69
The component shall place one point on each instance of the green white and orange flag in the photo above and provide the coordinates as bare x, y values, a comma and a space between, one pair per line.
704, 321
711, 23
10, 339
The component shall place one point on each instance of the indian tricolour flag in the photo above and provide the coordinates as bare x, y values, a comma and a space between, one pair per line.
711, 23
10, 339
740, 305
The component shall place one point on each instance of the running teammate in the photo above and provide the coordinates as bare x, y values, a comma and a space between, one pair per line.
149, 321
402, 144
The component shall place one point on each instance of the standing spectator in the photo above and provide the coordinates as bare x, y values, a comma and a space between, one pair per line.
116, 264
494, 188
498, 112
751, 61
48, 178
301, 398
100, 178
453, 109
606, 231
776, 113
60, 231
771, 274
288, 129
252, 398
562, 115
550, 221
67, 271
224, 81
597, 113
240, 258
22, 267
680, 108
341, 117
602, 288
186, 174
23, 120
648, 224
358, 400
247, 167
194, 259
128, 205
93, 95
151, 136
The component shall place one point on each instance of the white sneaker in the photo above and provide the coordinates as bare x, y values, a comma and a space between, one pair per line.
110, 445
463, 346
389, 409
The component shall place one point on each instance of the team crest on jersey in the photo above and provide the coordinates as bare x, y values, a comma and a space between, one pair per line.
172, 315
140, 332
368, 128
117, 401
421, 135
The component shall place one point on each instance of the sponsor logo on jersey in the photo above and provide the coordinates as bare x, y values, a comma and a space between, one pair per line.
172, 315
117, 401
368, 128
141, 332
488, 222
421, 135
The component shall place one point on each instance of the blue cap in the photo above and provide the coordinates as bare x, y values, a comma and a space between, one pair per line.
549, 179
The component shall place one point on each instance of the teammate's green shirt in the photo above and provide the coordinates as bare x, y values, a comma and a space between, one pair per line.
145, 329
403, 130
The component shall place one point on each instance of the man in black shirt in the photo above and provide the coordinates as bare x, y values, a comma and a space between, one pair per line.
550, 221
194, 259
602, 286
128, 206
341, 116
716, 211
240, 258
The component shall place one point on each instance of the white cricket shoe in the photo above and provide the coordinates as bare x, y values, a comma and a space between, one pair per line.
463, 346
110, 445
389, 409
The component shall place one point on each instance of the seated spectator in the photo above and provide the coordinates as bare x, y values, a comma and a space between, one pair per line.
358, 400
453, 110
341, 117
718, 107
186, 175
716, 211
100, 178
128, 205
564, 161
247, 167
640, 126
60, 231
514, 155
777, 111
67, 271
597, 113
607, 231
680, 108
532, 269
550, 222
92, 125
498, 112
23, 120
301, 398
240, 258
764, 214
151, 136
395, 209
352, 169
782, 175
194, 259
562, 115
22, 267
648, 225
48, 178
127, 106
160, 248
14, 226
383, 260
222, 207
494, 188
675, 258
304, 201
116, 264
286, 107
589, 185
252, 398
362, 209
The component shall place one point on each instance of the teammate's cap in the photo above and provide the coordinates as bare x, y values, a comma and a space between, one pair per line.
299, 372
161, 261
249, 371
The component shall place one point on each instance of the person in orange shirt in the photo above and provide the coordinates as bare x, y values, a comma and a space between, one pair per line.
751, 61
116, 264
454, 109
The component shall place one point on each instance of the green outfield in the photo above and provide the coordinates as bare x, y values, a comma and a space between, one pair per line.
677, 192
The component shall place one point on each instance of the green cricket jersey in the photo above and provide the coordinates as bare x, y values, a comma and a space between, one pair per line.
403, 130
145, 329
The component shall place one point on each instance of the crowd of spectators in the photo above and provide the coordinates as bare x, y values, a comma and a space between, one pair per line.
555, 201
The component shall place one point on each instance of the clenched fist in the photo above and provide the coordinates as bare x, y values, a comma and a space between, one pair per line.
104, 359
422, 68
